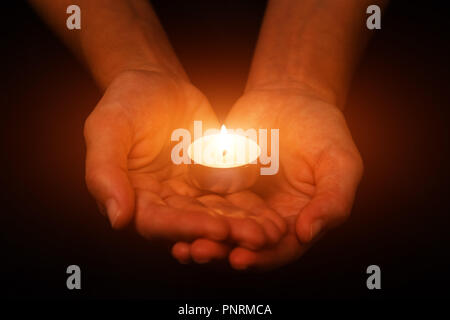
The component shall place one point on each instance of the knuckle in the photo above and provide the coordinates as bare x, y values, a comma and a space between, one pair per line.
256, 238
358, 164
97, 179
342, 211
340, 207
92, 177
87, 127
349, 160
90, 124
150, 224
145, 226
144, 221
337, 207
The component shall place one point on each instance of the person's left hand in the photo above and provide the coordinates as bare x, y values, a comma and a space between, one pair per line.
131, 176
314, 190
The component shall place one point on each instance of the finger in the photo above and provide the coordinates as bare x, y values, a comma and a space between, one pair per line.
108, 141
184, 202
155, 218
271, 231
274, 224
180, 187
337, 176
244, 231
205, 250
181, 252
286, 251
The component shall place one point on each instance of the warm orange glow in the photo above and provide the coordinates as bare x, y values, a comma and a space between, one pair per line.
224, 150
223, 129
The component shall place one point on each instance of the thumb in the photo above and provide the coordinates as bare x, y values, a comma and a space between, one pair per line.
336, 175
108, 141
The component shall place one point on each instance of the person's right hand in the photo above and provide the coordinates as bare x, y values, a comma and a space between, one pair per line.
129, 170
320, 168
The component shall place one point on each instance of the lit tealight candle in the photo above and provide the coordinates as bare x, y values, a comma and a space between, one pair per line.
224, 162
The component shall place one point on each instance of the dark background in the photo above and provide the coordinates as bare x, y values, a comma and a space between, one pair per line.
398, 112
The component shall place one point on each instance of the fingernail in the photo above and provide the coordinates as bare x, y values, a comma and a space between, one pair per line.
316, 227
113, 211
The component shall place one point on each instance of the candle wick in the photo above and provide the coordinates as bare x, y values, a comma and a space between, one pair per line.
224, 152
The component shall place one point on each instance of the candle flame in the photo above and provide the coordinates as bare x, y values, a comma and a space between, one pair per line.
225, 142
223, 129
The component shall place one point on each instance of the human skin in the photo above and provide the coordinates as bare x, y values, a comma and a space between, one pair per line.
299, 78
300, 75
146, 96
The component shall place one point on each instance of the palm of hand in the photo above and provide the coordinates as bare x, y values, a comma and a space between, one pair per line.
134, 121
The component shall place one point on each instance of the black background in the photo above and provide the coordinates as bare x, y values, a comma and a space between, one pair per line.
398, 111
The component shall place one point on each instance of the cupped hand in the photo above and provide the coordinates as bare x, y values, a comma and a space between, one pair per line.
320, 168
130, 174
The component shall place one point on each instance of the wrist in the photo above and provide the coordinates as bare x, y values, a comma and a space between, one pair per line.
104, 76
137, 46
299, 87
